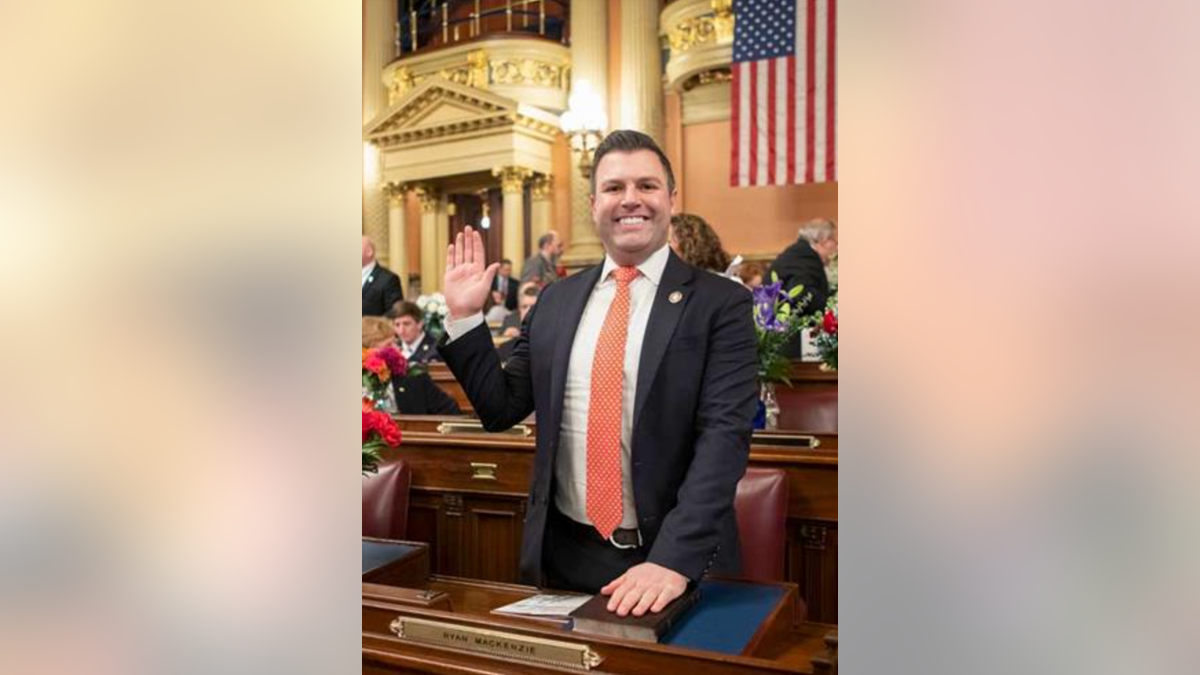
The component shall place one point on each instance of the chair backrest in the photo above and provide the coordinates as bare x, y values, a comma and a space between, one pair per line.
385, 501
761, 504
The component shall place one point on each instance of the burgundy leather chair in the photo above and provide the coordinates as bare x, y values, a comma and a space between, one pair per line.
761, 503
385, 501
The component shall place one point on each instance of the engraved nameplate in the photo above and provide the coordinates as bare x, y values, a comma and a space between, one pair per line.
508, 646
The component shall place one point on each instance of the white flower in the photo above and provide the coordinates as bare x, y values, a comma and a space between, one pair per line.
443, 310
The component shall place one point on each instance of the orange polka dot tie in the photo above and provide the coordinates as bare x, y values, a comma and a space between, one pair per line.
604, 484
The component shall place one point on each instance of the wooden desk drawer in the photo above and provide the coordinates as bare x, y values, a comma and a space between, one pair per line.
468, 469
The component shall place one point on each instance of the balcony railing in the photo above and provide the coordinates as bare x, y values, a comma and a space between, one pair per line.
429, 24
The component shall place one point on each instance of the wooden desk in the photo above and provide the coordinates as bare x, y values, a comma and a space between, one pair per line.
469, 492
810, 404
785, 646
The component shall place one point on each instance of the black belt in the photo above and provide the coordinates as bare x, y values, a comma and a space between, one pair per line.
621, 538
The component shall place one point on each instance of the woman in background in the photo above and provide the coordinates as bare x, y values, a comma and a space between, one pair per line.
697, 244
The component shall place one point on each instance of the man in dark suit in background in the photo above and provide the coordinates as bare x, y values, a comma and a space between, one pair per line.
642, 375
415, 344
504, 288
380, 286
804, 263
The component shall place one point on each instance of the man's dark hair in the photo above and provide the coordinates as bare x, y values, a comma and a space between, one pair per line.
505, 261
532, 292
405, 308
544, 241
627, 140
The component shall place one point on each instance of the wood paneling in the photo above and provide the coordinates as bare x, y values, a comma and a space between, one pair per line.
474, 526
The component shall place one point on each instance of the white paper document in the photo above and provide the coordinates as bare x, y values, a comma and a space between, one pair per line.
545, 605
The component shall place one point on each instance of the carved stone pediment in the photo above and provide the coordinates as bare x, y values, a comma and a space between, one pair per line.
438, 109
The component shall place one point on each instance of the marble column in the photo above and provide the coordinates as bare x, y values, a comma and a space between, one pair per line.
441, 224
641, 69
431, 278
542, 217
512, 183
589, 61
378, 50
398, 233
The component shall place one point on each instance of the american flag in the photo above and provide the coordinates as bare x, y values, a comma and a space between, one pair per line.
784, 92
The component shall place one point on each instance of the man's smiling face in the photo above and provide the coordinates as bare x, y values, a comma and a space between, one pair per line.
632, 205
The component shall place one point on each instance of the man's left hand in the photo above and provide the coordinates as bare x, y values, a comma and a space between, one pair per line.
644, 587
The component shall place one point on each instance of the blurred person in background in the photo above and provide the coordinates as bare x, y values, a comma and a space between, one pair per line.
504, 288
751, 275
380, 286
416, 393
542, 267
697, 243
803, 263
409, 324
529, 298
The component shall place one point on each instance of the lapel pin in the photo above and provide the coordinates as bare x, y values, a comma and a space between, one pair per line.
675, 297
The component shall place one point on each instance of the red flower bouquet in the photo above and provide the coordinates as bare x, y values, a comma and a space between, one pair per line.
379, 431
379, 366
825, 335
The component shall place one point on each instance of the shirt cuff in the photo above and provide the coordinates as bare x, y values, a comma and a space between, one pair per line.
456, 328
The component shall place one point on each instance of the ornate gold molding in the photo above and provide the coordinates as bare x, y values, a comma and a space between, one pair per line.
397, 129
402, 83
708, 29
396, 192
477, 65
539, 69
717, 76
529, 72
542, 187
429, 196
512, 178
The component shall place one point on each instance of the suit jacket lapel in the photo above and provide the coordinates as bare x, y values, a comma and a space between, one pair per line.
569, 322
664, 317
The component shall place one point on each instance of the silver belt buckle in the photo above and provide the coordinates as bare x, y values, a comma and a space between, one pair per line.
612, 540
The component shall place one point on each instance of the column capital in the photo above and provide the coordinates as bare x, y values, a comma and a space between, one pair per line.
542, 187
428, 196
512, 178
396, 192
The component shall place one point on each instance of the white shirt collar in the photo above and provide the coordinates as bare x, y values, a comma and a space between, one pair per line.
367, 271
412, 346
652, 268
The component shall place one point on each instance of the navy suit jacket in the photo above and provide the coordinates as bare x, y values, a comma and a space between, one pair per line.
693, 414
510, 291
381, 291
425, 352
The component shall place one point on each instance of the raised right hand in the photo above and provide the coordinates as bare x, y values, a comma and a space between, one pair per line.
467, 280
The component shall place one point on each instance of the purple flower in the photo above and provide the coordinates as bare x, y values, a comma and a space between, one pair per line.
766, 299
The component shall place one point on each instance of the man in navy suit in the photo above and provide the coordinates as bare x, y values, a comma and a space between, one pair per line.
380, 286
415, 344
675, 401
504, 287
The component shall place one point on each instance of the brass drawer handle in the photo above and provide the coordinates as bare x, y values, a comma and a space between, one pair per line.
481, 471
789, 440
448, 428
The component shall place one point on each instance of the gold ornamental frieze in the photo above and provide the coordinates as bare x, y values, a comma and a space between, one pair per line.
699, 34
496, 644
534, 71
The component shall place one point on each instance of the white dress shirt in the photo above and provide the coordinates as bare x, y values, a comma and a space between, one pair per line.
409, 348
570, 467
367, 271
